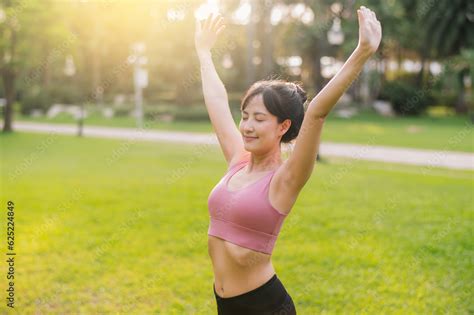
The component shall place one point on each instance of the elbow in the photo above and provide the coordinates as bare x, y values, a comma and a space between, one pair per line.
318, 113
320, 116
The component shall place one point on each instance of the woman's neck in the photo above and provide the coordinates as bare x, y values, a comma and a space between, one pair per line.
265, 162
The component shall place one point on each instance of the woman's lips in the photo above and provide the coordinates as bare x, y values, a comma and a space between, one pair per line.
248, 139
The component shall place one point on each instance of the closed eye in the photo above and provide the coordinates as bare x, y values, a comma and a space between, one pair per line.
244, 118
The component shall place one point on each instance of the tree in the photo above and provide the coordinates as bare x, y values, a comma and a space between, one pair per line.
21, 24
8, 57
449, 29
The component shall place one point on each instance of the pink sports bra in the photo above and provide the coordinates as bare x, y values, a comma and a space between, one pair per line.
245, 216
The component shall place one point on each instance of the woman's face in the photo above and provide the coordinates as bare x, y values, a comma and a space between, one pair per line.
259, 128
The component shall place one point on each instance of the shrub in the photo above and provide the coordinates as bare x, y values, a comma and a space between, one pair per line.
405, 98
35, 98
444, 98
153, 112
64, 94
43, 98
122, 111
195, 113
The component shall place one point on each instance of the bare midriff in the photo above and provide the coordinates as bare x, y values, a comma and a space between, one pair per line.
237, 269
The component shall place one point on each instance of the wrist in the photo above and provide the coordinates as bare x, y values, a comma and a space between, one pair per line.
204, 54
363, 53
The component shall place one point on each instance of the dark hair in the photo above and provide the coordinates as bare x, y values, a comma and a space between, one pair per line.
283, 99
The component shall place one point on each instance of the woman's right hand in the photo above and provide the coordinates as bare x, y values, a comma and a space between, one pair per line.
206, 34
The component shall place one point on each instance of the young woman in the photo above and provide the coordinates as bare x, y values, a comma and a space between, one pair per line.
249, 204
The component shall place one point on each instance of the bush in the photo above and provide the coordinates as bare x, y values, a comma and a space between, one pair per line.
195, 113
43, 98
405, 98
64, 94
122, 111
444, 98
35, 98
155, 111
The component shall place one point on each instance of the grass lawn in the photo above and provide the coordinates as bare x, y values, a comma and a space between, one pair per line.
109, 226
444, 133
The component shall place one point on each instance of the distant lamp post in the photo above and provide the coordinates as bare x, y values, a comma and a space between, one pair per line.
70, 71
227, 62
335, 37
335, 34
69, 67
140, 78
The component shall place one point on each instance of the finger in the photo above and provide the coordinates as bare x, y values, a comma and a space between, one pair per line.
366, 11
219, 23
372, 14
207, 22
220, 29
360, 15
211, 20
215, 21
368, 15
363, 12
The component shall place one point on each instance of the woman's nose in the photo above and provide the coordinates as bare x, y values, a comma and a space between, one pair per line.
248, 127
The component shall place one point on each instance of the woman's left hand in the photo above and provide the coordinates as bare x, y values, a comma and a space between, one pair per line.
370, 31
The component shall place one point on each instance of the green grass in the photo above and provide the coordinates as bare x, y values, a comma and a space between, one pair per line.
442, 133
108, 226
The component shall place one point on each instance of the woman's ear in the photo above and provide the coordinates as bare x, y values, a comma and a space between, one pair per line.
284, 126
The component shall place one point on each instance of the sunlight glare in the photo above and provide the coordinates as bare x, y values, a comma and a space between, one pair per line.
242, 14
205, 9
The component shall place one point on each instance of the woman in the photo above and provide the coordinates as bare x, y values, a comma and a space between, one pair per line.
248, 206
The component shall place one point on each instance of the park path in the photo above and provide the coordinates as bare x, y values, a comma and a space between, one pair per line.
426, 158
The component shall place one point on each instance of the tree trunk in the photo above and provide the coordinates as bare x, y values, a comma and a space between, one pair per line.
8, 77
251, 29
421, 74
461, 107
96, 55
317, 76
267, 40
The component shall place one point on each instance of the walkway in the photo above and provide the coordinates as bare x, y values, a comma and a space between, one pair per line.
427, 158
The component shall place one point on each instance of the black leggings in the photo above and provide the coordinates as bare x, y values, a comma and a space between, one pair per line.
270, 298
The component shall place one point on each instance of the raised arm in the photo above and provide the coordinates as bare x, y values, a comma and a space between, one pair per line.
299, 165
215, 95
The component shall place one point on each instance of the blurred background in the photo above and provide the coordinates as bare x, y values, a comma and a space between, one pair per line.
119, 226
61, 55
